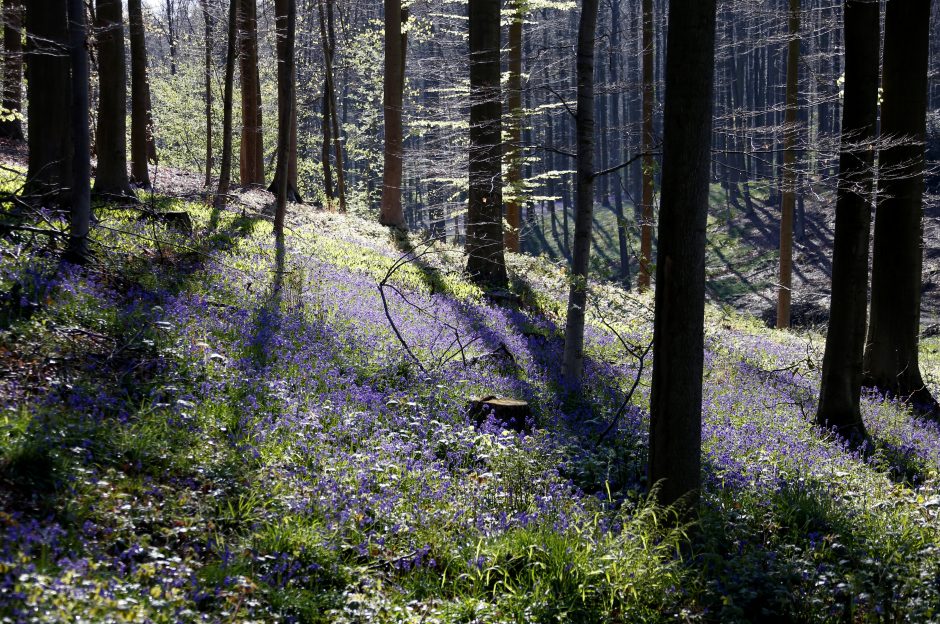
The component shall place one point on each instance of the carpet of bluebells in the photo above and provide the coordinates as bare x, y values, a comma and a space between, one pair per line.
213, 428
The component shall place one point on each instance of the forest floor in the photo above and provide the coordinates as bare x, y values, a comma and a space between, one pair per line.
209, 427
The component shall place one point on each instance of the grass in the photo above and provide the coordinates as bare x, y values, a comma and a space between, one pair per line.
192, 432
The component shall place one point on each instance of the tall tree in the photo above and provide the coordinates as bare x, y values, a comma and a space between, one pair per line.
143, 147
788, 203
514, 145
251, 163
584, 207
111, 140
841, 388
649, 95
391, 212
12, 69
49, 174
80, 212
225, 171
678, 329
171, 8
286, 12
331, 132
207, 81
486, 263
281, 11
891, 360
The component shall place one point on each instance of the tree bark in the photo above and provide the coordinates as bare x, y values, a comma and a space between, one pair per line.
788, 204
678, 330
111, 178
649, 95
514, 146
286, 11
49, 174
618, 151
207, 80
225, 173
12, 69
841, 388
251, 163
143, 148
891, 360
485, 264
80, 213
584, 209
288, 172
391, 212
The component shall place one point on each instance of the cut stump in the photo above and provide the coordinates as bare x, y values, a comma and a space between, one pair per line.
510, 413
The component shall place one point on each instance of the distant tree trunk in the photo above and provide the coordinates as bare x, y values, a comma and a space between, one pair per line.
391, 213
251, 164
785, 280
330, 124
891, 360
334, 112
286, 11
514, 146
207, 17
485, 264
143, 148
649, 95
80, 213
845, 340
111, 140
584, 211
12, 68
281, 10
171, 34
678, 329
622, 232
49, 175
225, 173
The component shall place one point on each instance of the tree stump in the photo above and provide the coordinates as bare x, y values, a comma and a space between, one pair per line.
509, 413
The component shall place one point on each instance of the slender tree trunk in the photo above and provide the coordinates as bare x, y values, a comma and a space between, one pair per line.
251, 164
622, 232
584, 214
841, 388
485, 263
143, 148
111, 177
225, 173
334, 112
891, 360
391, 213
514, 146
12, 68
49, 175
207, 80
281, 18
785, 285
80, 213
646, 225
678, 330
286, 12
171, 34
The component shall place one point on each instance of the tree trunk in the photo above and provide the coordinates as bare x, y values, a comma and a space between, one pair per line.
788, 204
171, 34
225, 173
646, 226
622, 232
286, 17
80, 213
143, 149
845, 340
514, 146
12, 69
111, 178
584, 215
391, 213
678, 330
207, 80
891, 360
49, 175
485, 263
330, 36
281, 10
251, 163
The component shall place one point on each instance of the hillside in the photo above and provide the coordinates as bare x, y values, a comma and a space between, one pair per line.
207, 428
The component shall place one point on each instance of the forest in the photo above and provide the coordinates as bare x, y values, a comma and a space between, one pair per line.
471, 311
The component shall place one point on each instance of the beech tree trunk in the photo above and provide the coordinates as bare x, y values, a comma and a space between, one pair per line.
514, 146
111, 141
207, 79
251, 163
391, 212
678, 329
143, 148
485, 264
646, 224
288, 172
225, 172
584, 210
788, 203
891, 360
80, 213
286, 11
49, 174
12, 68
841, 388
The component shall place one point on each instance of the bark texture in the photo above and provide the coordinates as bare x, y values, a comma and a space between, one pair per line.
251, 163
143, 148
391, 212
111, 177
